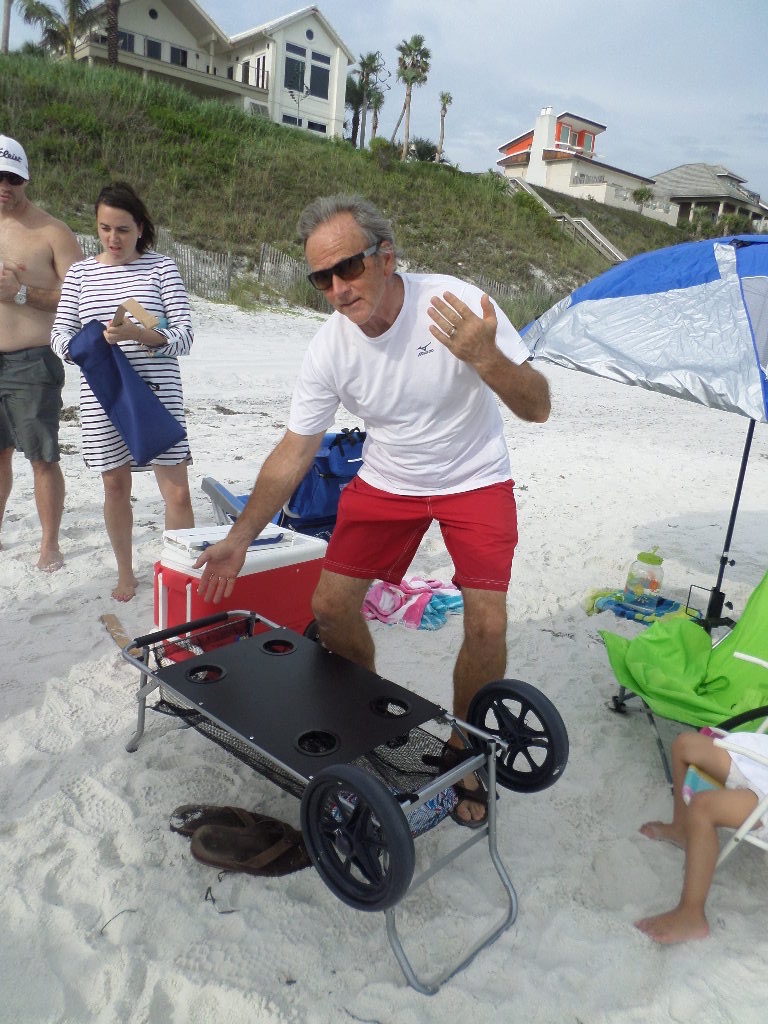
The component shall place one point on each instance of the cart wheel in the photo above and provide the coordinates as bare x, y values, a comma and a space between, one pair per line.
358, 837
311, 632
531, 724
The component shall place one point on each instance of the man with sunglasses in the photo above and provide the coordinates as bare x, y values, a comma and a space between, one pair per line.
36, 251
421, 359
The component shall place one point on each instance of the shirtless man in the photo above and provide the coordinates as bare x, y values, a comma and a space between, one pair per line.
36, 251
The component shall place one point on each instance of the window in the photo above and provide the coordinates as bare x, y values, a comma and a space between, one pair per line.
260, 72
318, 82
152, 13
126, 41
178, 57
568, 137
319, 71
153, 49
294, 73
246, 75
310, 34
231, 73
589, 142
316, 126
288, 119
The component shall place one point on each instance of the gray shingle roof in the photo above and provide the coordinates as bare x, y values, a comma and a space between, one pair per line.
692, 180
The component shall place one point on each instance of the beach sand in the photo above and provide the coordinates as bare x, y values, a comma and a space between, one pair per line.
108, 918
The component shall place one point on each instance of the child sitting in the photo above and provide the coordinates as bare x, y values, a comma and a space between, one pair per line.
694, 825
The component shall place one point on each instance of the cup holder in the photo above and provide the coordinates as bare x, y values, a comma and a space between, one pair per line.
205, 673
390, 707
317, 743
277, 645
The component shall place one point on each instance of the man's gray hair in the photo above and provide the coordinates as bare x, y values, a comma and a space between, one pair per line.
374, 224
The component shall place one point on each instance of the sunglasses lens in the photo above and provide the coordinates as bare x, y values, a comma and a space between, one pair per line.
12, 179
348, 270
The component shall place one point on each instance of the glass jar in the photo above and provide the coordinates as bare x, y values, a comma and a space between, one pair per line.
643, 587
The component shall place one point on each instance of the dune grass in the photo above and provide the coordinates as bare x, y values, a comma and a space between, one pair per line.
223, 180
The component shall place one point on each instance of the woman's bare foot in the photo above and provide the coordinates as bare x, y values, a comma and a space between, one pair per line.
679, 925
663, 832
125, 590
50, 560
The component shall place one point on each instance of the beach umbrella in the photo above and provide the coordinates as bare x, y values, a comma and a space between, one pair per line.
689, 320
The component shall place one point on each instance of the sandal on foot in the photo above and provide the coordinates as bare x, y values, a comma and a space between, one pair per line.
475, 796
188, 818
271, 848
451, 756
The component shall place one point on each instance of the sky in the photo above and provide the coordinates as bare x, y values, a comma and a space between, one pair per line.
674, 83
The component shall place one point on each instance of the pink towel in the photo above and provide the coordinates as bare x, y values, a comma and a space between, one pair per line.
405, 602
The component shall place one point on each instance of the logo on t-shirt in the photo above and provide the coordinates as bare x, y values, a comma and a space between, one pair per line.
425, 350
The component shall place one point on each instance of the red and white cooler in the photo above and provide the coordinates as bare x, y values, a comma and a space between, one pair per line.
279, 576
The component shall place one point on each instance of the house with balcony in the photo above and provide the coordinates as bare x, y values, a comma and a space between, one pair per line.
560, 154
292, 70
713, 189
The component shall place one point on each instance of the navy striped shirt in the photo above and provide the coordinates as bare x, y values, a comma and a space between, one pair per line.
93, 291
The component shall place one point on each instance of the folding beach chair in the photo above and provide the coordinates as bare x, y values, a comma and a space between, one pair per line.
312, 507
674, 671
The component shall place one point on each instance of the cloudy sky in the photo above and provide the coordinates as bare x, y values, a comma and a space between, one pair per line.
674, 82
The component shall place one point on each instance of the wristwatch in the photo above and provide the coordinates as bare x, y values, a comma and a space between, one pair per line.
20, 298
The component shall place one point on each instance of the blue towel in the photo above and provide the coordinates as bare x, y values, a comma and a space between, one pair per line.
136, 412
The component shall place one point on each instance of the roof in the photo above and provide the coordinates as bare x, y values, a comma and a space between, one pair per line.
270, 27
576, 120
699, 180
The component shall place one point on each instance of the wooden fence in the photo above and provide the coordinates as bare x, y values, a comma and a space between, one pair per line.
211, 274
208, 274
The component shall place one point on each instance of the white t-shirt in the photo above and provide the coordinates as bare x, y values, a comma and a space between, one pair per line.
434, 427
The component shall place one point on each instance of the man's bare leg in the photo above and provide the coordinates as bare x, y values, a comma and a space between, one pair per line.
482, 658
49, 498
342, 629
6, 481
118, 517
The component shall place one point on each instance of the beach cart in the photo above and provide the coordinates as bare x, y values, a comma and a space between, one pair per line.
365, 756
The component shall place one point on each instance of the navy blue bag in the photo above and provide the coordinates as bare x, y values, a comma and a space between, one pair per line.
312, 506
136, 412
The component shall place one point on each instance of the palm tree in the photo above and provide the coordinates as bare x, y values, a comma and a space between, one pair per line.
412, 69
375, 103
113, 6
61, 29
353, 100
7, 5
371, 67
445, 101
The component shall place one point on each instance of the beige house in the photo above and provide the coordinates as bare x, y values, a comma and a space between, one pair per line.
714, 189
292, 70
559, 154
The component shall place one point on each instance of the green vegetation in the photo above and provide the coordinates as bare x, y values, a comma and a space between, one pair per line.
225, 181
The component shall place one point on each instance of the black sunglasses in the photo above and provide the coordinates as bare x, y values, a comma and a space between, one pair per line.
12, 179
348, 270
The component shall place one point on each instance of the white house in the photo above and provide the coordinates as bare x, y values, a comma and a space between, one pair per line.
559, 154
292, 70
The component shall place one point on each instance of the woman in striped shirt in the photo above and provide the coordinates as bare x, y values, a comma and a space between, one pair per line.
92, 290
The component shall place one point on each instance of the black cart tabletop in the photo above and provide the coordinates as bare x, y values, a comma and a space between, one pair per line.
296, 702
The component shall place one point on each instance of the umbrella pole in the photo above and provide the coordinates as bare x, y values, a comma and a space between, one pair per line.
716, 595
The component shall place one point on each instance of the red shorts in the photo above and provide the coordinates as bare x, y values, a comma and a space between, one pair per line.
377, 533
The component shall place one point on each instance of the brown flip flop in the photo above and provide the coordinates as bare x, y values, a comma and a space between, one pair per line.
270, 848
188, 818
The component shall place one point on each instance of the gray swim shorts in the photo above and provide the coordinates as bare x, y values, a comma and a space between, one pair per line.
31, 381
